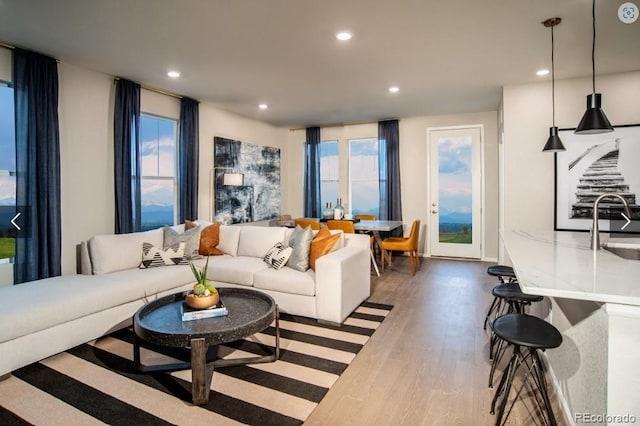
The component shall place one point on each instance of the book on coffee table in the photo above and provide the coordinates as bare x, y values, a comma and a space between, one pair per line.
190, 314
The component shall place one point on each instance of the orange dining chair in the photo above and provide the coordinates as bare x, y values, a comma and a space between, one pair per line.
304, 222
366, 217
347, 227
406, 244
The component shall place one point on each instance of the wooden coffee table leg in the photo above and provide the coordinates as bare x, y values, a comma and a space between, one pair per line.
201, 373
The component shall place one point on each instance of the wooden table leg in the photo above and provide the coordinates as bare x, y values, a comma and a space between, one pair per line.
201, 372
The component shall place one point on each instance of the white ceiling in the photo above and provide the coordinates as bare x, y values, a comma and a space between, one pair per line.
446, 57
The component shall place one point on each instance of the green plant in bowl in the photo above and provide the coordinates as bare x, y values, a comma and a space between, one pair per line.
203, 294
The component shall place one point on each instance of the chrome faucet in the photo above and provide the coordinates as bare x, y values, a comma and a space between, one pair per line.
595, 232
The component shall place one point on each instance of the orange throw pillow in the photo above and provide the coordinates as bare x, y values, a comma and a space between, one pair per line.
209, 238
321, 244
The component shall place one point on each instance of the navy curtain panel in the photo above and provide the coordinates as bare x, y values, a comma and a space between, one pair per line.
312, 207
188, 160
389, 171
126, 136
38, 249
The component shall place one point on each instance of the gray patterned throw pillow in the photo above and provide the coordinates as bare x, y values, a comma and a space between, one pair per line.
300, 242
190, 238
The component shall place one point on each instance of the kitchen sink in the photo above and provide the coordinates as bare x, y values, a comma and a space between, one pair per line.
624, 250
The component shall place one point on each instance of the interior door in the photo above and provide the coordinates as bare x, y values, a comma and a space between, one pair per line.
455, 192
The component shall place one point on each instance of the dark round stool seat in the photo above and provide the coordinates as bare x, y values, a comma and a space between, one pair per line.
501, 271
511, 291
527, 330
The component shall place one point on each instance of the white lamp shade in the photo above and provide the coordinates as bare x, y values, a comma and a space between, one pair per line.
233, 179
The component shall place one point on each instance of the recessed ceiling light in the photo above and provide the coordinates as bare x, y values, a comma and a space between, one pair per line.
344, 36
394, 89
174, 74
542, 72
263, 106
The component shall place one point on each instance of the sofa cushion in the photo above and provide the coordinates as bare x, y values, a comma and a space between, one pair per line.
71, 297
153, 256
236, 270
111, 253
255, 241
190, 238
229, 237
300, 242
286, 280
322, 243
277, 256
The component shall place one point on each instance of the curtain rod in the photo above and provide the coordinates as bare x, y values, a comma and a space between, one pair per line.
150, 88
12, 47
155, 89
355, 123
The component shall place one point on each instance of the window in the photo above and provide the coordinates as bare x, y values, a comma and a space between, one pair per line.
329, 173
158, 151
364, 191
7, 166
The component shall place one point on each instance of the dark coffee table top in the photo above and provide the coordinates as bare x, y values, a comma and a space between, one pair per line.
160, 321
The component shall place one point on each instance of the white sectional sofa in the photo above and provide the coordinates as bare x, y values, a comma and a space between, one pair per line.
45, 317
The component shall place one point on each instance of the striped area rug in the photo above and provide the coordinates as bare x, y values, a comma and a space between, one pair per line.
97, 382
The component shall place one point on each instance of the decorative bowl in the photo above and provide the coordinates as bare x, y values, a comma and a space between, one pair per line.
201, 302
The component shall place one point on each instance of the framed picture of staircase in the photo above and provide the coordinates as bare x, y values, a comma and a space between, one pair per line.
591, 166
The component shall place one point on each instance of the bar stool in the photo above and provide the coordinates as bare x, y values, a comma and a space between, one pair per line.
505, 274
508, 298
527, 335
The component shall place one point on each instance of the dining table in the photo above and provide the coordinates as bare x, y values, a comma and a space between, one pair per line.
375, 227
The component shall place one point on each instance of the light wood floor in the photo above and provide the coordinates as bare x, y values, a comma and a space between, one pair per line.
427, 363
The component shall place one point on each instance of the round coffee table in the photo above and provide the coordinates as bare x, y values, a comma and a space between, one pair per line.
160, 323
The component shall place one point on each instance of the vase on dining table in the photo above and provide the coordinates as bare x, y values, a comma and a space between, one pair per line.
338, 211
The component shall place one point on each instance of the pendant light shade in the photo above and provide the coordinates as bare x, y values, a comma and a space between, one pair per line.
594, 120
554, 144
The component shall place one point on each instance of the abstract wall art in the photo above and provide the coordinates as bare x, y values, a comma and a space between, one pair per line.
256, 195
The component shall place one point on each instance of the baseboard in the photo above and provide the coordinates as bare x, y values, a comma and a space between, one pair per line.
490, 259
564, 405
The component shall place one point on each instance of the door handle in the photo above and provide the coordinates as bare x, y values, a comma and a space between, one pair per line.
434, 211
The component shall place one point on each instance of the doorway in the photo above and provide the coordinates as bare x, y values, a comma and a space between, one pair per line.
455, 191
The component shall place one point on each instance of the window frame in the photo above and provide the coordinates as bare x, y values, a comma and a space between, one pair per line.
350, 168
337, 178
165, 178
7, 172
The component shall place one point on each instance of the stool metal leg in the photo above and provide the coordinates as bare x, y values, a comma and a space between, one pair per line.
494, 305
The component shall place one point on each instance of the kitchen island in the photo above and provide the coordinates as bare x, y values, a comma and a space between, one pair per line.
595, 303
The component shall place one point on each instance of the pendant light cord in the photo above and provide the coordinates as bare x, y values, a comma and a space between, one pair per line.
593, 47
553, 83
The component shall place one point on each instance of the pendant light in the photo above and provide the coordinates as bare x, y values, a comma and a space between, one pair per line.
594, 120
554, 144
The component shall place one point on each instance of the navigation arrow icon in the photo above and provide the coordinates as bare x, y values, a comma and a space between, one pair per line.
622, 229
13, 222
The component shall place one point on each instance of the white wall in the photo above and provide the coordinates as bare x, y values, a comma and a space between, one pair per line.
414, 163
85, 113
5, 64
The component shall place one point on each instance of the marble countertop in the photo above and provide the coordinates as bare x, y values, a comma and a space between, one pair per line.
560, 264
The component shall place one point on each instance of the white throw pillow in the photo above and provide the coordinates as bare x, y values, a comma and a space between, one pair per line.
118, 252
153, 256
277, 256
